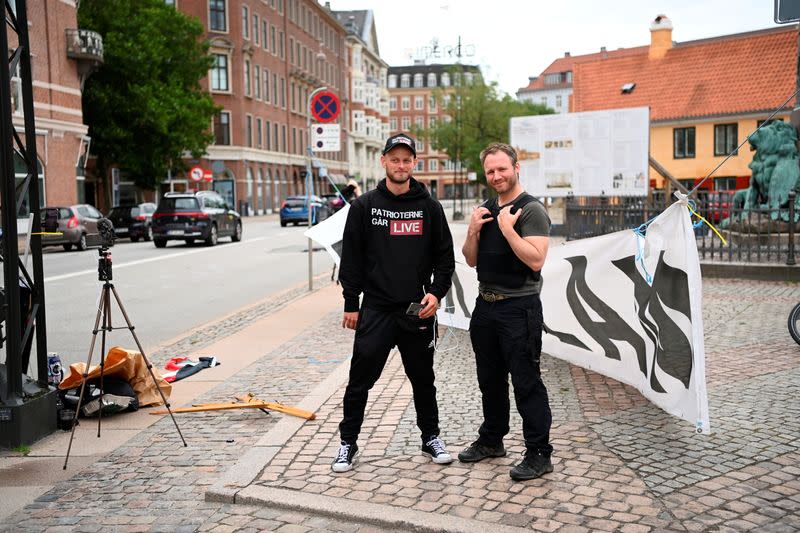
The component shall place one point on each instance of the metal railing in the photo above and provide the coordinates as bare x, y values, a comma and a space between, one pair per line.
752, 236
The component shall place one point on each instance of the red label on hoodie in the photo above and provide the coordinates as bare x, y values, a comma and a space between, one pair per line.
405, 227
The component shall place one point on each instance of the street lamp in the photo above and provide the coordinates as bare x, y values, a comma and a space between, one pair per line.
309, 182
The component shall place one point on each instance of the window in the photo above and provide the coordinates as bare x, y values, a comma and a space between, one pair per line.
283, 93
406, 123
257, 82
222, 128
431, 122
558, 101
726, 138
725, 183
266, 84
419, 102
280, 45
245, 23
248, 132
264, 34
420, 167
418, 80
433, 165
258, 132
445, 79
431, 79
683, 143
419, 122
392, 81
273, 39
255, 29
431, 104
268, 135
393, 103
247, 77
405, 80
760, 122
275, 93
393, 124
217, 19
219, 73
405, 103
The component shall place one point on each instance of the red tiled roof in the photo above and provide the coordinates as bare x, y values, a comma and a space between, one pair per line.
733, 74
567, 63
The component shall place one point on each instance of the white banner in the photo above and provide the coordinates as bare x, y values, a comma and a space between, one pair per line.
329, 233
624, 306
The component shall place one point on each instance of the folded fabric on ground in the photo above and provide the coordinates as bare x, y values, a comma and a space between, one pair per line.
183, 367
127, 365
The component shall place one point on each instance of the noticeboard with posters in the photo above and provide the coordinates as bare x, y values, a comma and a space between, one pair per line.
595, 153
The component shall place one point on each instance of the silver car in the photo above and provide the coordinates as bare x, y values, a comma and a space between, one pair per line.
76, 223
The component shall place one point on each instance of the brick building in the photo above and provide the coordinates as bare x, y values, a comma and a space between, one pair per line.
269, 57
61, 57
413, 106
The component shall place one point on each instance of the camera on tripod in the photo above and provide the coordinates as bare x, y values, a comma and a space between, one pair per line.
106, 229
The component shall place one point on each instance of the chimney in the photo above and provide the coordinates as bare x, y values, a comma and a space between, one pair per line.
566, 54
328, 6
660, 37
532, 79
603, 52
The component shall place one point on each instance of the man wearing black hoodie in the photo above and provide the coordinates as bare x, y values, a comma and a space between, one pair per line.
397, 250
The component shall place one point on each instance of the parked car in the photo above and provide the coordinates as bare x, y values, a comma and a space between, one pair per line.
76, 223
335, 202
202, 215
294, 210
133, 221
719, 205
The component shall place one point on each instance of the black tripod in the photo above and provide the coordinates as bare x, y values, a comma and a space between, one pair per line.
104, 272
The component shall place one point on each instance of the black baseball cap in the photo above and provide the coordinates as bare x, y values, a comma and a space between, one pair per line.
400, 139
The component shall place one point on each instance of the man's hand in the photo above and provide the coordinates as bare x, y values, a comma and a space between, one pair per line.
477, 220
350, 320
431, 304
506, 220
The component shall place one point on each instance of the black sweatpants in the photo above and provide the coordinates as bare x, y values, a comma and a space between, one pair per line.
507, 338
377, 333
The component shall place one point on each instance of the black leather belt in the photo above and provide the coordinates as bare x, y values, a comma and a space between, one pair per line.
492, 297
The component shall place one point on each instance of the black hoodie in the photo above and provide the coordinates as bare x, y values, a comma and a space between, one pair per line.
392, 245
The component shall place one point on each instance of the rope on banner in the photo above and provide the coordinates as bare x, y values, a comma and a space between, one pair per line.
702, 220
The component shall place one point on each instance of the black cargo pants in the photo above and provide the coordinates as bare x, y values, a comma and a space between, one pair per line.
376, 334
507, 338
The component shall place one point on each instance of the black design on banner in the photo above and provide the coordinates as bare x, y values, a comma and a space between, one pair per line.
673, 350
459, 298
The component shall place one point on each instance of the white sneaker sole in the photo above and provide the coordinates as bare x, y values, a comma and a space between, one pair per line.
344, 467
444, 459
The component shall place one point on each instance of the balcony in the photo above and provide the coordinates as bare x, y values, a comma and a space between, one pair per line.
85, 45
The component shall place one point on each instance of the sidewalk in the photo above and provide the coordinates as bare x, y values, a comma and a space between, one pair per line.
620, 463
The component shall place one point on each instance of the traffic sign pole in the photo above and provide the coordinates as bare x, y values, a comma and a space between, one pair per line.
309, 175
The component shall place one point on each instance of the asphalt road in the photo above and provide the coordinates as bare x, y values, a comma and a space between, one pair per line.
169, 291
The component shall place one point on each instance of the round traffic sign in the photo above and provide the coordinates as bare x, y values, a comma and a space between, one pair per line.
208, 175
196, 173
325, 106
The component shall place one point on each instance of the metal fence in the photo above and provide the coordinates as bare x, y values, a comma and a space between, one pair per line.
753, 236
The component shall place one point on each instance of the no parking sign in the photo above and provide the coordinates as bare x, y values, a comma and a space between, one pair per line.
196, 173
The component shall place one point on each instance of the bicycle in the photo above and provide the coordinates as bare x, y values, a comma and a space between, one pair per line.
794, 323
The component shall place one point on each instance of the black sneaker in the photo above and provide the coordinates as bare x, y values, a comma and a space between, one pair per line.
478, 452
436, 449
532, 466
346, 457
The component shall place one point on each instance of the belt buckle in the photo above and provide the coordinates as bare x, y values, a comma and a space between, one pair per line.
491, 297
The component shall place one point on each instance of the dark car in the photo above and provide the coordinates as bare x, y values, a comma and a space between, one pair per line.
133, 221
77, 225
202, 215
294, 210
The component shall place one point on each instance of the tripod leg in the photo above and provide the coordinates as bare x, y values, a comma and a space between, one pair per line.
147, 362
86, 373
105, 329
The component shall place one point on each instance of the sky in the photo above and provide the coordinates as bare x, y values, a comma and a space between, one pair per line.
515, 39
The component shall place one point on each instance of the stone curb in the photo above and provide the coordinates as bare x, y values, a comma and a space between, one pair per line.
246, 470
364, 512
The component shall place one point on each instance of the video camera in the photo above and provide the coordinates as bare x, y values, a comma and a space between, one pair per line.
106, 230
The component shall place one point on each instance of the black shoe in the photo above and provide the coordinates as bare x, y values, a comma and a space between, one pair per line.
532, 466
478, 452
436, 449
346, 457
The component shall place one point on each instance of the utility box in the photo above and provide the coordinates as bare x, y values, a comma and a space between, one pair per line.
24, 421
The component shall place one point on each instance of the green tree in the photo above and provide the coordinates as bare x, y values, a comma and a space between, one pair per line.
478, 115
144, 106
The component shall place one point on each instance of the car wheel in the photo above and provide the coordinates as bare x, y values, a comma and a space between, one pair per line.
212, 237
237, 232
160, 243
67, 247
283, 223
148, 233
134, 239
81, 245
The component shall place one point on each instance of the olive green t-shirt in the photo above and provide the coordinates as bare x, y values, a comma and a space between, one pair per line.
533, 222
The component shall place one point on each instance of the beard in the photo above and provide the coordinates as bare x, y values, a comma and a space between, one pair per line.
398, 177
506, 184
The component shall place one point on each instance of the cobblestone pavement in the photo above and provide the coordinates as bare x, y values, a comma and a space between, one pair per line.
621, 464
